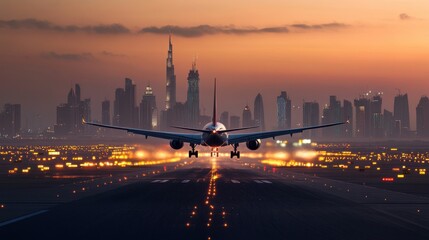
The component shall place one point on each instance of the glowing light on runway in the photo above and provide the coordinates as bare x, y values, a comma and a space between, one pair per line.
306, 154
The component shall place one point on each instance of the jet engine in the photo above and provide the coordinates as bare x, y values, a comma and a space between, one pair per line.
176, 144
254, 144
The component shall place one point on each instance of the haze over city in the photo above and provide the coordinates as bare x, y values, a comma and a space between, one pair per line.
311, 49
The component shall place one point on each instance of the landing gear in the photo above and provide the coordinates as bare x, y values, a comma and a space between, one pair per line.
193, 152
214, 152
235, 153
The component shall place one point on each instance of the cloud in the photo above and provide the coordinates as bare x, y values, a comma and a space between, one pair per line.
68, 56
404, 16
201, 30
36, 24
110, 54
325, 26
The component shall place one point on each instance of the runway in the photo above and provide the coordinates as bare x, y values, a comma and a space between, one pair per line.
215, 200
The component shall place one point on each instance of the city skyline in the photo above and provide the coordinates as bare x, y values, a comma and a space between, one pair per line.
343, 53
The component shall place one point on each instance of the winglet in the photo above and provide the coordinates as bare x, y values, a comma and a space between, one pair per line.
214, 104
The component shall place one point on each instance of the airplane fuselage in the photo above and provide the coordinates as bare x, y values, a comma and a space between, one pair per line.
214, 138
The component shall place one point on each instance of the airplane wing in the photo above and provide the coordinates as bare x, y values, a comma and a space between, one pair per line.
184, 137
244, 137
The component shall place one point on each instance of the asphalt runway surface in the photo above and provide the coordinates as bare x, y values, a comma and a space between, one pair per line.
213, 200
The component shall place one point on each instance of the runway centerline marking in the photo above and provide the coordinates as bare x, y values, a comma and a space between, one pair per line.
22, 218
163, 181
186, 181
257, 181
266, 181
235, 181
155, 181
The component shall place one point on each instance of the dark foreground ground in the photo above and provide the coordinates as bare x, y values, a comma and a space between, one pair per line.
221, 201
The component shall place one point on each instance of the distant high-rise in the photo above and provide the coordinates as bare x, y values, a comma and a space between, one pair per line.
170, 98
363, 117
347, 112
234, 122
193, 96
284, 109
310, 117
376, 117
422, 112
388, 123
247, 117
70, 114
259, 116
10, 120
125, 111
401, 114
105, 112
332, 114
224, 118
148, 112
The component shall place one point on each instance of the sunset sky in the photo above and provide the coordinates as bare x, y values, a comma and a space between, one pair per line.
311, 49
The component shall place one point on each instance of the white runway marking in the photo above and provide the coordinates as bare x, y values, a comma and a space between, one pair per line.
163, 181
235, 181
155, 181
22, 218
266, 181
257, 181
186, 181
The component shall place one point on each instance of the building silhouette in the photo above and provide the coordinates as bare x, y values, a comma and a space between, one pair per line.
388, 123
70, 114
259, 116
422, 117
247, 117
347, 115
10, 120
224, 118
148, 111
401, 115
284, 109
377, 130
363, 117
105, 112
170, 97
332, 114
193, 96
125, 111
234, 122
310, 117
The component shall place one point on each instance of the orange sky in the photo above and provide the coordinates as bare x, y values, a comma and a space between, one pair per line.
372, 49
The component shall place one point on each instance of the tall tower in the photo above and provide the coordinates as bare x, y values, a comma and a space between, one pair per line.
422, 112
247, 117
310, 117
148, 113
105, 112
170, 97
401, 114
193, 97
259, 112
284, 107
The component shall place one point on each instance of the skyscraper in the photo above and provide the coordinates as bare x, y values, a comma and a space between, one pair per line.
422, 112
10, 120
284, 107
347, 112
310, 117
105, 112
363, 117
332, 114
376, 117
170, 97
224, 118
401, 114
259, 116
193, 96
125, 111
388, 123
234, 121
148, 113
247, 117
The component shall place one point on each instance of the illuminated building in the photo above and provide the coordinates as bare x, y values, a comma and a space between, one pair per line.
193, 96
347, 115
376, 117
332, 114
388, 123
105, 112
310, 117
284, 107
422, 112
363, 117
170, 98
401, 115
259, 117
247, 117
148, 112
10, 120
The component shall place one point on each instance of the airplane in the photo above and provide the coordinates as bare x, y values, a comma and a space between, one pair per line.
214, 134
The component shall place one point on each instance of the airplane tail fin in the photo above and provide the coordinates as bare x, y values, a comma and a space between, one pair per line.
214, 104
